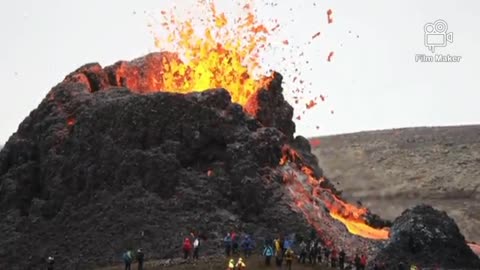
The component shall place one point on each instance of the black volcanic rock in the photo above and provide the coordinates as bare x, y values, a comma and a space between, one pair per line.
427, 238
97, 168
270, 107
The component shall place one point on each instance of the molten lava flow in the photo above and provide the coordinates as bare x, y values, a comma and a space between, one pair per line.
309, 194
218, 56
475, 248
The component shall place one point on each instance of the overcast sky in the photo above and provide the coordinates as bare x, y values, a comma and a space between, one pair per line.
373, 81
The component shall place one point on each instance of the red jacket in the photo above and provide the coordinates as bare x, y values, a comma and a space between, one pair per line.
363, 260
187, 245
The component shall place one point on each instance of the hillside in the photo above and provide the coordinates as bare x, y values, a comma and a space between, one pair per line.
391, 170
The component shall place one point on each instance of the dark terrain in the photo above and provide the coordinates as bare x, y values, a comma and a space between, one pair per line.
103, 164
391, 170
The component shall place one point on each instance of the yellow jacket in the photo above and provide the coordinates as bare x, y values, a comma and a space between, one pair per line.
240, 264
278, 248
289, 255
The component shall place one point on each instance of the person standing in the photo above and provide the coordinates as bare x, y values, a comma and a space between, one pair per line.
268, 253
289, 254
333, 258
127, 259
196, 247
303, 251
341, 259
240, 264
50, 263
234, 237
140, 258
231, 264
227, 242
363, 261
327, 254
278, 253
357, 262
187, 248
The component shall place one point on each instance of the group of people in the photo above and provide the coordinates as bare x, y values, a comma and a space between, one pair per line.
282, 249
128, 258
232, 243
315, 252
188, 246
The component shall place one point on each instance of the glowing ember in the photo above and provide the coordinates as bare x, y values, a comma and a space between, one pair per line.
329, 58
329, 14
311, 104
309, 194
316, 35
217, 56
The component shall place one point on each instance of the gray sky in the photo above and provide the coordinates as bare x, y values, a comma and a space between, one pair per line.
372, 83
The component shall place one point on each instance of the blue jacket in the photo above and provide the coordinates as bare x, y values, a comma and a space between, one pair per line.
287, 244
227, 241
247, 243
268, 251
127, 257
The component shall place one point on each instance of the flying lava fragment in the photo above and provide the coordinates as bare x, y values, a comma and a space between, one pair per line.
329, 14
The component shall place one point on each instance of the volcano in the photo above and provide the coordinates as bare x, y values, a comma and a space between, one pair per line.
108, 161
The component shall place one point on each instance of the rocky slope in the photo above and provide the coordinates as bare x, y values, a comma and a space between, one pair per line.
106, 163
103, 165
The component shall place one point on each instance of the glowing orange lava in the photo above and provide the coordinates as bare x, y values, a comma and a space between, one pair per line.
229, 57
309, 195
475, 248
216, 56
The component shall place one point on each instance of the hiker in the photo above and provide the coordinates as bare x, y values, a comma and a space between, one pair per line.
127, 259
357, 263
187, 248
289, 254
318, 250
227, 242
287, 244
196, 246
140, 258
234, 242
327, 254
303, 252
240, 264
278, 253
312, 253
333, 258
247, 246
50, 263
231, 264
363, 261
341, 259
268, 253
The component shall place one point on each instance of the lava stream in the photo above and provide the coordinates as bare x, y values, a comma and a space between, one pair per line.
313, 200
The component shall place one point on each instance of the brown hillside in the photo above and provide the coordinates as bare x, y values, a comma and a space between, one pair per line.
389, 171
